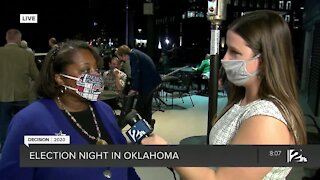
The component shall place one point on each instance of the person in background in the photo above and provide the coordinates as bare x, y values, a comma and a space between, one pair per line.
204, 70
204, 67
164, 63
114, 80
145, 79
53, 42
263, 106
24, 45
69, 85
32, 94
126, 67
17, 70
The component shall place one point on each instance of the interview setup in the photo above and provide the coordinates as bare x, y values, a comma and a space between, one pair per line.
289, 151
188, 131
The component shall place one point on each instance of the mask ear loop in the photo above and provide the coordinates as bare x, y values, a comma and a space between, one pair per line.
70, 77
256, 56
253, 58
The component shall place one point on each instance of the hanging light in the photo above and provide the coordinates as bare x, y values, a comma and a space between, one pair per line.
159, 45
167, 41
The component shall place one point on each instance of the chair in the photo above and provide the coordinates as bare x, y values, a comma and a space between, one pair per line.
157, 97
183, 86
128, 103
158, 91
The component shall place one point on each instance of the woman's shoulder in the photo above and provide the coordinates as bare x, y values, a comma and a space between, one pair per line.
264, 108
37, 107
33, 116
102, 106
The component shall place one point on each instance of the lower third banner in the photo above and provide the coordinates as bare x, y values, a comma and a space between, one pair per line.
169, 156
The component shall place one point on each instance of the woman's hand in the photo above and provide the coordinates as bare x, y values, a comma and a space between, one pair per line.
133, 92
115, 72
154, 139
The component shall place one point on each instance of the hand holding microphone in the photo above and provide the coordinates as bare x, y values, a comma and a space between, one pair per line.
133, 92
139, 127
140, 131
154, 139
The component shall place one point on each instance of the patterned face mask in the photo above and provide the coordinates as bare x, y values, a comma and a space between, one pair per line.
89, 86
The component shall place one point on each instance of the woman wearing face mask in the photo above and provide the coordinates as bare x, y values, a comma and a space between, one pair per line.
69, 86
263, 104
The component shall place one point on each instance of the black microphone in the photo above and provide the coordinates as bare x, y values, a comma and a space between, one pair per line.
140, 128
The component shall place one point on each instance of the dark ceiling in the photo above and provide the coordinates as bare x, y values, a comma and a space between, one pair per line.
68, 18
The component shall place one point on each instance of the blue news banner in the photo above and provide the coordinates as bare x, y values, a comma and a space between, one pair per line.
168, 156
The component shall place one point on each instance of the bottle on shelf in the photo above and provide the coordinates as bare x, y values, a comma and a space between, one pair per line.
288, 5
251, 3
236, 3
265, 4
258, 4
281, 4
274, 4
287, 18
243, 3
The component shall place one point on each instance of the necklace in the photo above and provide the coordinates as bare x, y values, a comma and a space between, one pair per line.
98, 139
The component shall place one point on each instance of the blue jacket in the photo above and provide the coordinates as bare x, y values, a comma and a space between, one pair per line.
145, 77
43, 117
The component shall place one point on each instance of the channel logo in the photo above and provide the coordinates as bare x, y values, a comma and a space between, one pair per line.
28, 18
296, 156
138, 131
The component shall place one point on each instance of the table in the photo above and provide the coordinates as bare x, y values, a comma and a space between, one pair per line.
108, 95
185, 69
169, 78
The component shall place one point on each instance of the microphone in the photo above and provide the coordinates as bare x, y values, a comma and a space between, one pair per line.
140, 128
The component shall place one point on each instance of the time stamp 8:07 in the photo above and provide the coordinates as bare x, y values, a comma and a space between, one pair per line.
275, 153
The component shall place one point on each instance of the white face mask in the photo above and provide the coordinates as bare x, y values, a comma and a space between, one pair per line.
89, 86
237, 72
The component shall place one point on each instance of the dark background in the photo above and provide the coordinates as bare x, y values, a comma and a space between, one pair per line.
62, 19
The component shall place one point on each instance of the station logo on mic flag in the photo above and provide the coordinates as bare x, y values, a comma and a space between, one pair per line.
138, 131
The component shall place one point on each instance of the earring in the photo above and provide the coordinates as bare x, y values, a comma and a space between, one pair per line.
63, 90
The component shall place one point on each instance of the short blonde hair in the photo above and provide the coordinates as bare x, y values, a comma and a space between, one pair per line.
123, 50
53, 40
24, 44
